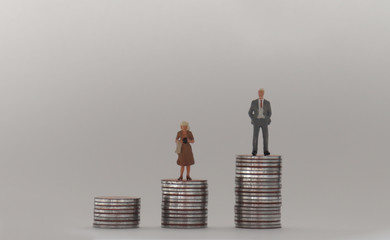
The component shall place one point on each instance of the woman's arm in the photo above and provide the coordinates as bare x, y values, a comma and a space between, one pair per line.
191, 138
177, 137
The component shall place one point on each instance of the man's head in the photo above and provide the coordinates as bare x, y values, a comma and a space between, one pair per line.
261, 93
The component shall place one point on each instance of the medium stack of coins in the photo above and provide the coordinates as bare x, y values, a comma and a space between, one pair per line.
184, 204
258, 191
116, 212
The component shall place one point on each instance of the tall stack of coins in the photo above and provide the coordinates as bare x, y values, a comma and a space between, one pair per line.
258, 191
184, 204
116, 212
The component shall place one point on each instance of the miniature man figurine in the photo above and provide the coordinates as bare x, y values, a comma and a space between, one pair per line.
260, 114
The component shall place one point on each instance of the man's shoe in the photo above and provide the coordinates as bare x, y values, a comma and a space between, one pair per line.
266, 153
254, 153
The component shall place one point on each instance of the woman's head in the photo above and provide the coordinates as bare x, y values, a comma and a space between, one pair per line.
185, 125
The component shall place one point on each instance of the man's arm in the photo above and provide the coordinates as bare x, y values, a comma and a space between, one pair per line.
251, 111
269, 110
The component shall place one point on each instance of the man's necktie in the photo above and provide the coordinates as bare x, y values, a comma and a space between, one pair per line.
261, 103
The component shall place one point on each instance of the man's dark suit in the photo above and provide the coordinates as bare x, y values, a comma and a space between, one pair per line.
260, 122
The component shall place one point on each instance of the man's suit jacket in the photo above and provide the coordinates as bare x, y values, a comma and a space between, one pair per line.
254, 110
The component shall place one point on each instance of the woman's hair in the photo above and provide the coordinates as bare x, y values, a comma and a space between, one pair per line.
184, 123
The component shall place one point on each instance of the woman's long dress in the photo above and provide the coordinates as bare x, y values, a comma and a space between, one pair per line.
186, 158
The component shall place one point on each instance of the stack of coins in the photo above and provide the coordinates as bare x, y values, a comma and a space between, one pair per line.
116, 212
258, 191
184, 204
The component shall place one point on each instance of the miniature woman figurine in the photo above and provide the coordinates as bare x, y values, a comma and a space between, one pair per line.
184, 150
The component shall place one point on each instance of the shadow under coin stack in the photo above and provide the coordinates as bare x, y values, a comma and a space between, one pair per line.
116, 212
184, 204
258, 191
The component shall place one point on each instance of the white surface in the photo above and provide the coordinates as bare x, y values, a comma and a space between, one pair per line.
92, 94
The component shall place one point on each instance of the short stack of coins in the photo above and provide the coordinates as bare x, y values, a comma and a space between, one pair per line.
116, 212
184, 204
258, 191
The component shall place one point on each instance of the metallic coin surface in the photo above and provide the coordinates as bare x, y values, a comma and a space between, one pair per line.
258, 191
116, 212
184, 203
184, 226
111, 226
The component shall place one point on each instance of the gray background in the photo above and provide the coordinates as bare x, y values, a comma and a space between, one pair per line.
92, 94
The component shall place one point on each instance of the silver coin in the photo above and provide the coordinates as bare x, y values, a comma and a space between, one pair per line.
255, 180
260, 164
258, 172
116, 222
256, 190
257, 218
116, 204
259, 183
251, 204
258, 193
184, 226
122, 219
184, 211
245, 161
264, 161
184, 197
261, 197
114, 215
255, 214
184, 205
254, 187
117, 199
255, 207
170, 215
185, 194
259, 156
184, 208
258, 169
257, 223
255, 172
257, 175
115, 212
195, 190
184, 183
116, 207
256, 210
183, 221
185, 202
251, 226
102, 211
276, 165
274, 198
248, 176
253, 217
105, 226
259, 202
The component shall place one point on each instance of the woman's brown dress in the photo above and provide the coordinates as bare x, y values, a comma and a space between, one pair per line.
186, 158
